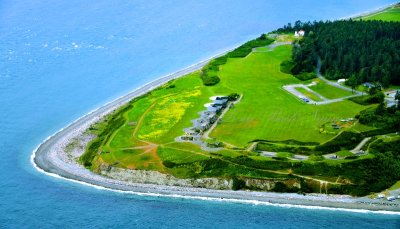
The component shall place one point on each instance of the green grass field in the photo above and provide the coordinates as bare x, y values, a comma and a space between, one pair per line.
391, 14
328, 91
266, 110
309, 94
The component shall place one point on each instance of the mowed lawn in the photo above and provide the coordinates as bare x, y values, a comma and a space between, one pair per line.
328, 91
268, 112
392, 14
308, 94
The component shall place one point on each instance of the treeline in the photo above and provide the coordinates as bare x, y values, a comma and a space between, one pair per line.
364, 51
209, 73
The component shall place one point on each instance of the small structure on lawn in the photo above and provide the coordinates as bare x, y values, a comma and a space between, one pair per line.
206, 120
372, 85
299, 33
368, 85
220, 102
360, 153
380, 196
191, 132
391, 198
391, 99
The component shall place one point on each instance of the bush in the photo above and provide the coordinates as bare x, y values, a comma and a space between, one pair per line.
282, 187
169, 164
210, 80
233, 96
287, 66
280, 158
346, 140
306, 76
379, 97
238, 184
266, 146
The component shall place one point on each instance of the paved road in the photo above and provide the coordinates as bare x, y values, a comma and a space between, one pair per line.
359, 146
335, 84
292, 89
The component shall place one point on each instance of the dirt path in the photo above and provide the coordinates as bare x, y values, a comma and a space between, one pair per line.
139, 123
252, 146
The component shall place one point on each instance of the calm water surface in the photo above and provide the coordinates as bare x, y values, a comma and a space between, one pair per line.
61, 59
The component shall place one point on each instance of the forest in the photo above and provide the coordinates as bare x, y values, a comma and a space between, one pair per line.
362, 51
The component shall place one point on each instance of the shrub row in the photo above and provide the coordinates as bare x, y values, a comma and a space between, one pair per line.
306, 76
286, 66
345, 140
265, 146
289, 142
116, 121
369, 99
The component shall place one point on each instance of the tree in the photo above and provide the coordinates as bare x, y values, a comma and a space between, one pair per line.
397, 97
363, 48
380, 109
352, 82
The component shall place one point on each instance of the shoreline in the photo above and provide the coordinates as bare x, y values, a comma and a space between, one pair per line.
49, 158
369, 12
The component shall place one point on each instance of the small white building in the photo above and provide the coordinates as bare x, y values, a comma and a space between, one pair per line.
391, 99
380, 196
299, 33
341, 80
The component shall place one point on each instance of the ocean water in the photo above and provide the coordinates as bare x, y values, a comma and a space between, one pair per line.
61, 59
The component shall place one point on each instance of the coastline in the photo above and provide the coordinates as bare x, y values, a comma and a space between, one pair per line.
369, 12
50, 159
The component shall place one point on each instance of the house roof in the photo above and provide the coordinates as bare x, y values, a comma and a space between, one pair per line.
220, 101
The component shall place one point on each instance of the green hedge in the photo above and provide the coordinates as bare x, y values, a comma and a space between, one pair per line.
369, 99
287, 66
306, 76
210, 80
116, 121
265, 146
345, 140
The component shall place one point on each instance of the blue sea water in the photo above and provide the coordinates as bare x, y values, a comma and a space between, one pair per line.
61, 59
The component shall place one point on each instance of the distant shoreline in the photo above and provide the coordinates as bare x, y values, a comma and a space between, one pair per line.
369, 12
49, 158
